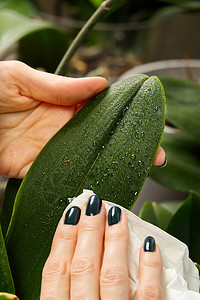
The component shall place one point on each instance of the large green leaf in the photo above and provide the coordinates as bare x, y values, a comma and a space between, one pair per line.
182, 172
8, 202
185, 225
183, 105
6, 281
14, 26
112, 139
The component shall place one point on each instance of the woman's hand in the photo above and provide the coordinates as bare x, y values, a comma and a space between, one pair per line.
34, 105
89, 258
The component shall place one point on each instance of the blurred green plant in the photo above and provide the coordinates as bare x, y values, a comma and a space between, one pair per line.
26, 7
32, 37
6, 281
125, 26
20, 26
182, 173
180, 219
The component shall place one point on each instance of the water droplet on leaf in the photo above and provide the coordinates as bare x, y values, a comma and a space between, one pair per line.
140, 163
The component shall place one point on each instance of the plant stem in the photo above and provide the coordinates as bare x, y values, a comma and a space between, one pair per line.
100, 12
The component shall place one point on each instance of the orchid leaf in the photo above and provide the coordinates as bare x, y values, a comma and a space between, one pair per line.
189, 5
14, 26
6, 296
6, 280
8, 202
183, 105
34, 49
147, 213
185, 225
96, 3
182, 172
60, 172
159, 214
25, 7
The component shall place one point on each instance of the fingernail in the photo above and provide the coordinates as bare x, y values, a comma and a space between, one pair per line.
93, 206
103, 77
149, 244
72, 216
114, 215
164, 164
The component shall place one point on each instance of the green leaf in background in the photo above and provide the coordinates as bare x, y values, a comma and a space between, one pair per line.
185, 225
14, 26
182, 172
163, 215
159, 214
6, 281
43, 49
187, 4
6, 296
96, 3
183, 105
171, 206
147, 213
8, 202
25, 7
198, 267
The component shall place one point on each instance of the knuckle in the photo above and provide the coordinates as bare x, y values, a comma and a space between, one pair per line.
58, 83
116, 234
150, 292
153, 264
112, 276
65, 235
88, 226
81, 266
53, 268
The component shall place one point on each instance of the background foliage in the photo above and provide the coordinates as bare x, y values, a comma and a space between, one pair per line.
40, 37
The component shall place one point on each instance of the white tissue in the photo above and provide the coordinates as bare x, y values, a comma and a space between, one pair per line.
181, 278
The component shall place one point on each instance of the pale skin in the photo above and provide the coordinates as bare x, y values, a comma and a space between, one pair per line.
77, 268
34, 105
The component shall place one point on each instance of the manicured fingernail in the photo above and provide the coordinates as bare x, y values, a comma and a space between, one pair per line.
93, 206
114, 215
149, 244
164, 164
102, 77
72, 216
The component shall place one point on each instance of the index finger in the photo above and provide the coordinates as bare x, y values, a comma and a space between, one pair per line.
55, 275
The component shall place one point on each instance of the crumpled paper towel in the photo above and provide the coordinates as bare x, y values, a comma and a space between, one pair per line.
181, 279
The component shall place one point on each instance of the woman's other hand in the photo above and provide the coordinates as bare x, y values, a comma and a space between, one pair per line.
89, 258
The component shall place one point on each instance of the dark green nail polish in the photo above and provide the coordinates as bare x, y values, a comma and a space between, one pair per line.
102, 77
149, 244
114, 215
164, 164
72, 216
94, 205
